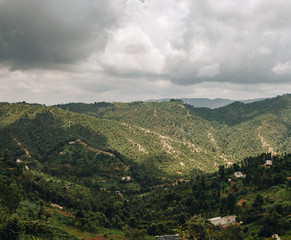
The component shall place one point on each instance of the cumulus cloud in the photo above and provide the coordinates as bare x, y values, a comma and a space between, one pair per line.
263, 51
225, 41
282, 68
243, 38
130, 51
167, 47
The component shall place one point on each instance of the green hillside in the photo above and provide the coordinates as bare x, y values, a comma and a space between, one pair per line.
38, 206
134, 170
216, 136
66, 144
171, 139
44, 132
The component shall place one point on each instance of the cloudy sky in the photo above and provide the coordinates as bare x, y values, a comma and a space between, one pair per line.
60, 51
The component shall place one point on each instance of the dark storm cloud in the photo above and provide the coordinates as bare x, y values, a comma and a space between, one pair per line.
90, 50
53, 33
241, 42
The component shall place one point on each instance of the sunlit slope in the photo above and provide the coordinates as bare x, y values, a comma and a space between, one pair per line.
38, 132
171, 137
225, 134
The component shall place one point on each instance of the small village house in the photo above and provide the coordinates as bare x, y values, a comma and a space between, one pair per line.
223, 221
126, 179
239, 175
167, 237
268, 163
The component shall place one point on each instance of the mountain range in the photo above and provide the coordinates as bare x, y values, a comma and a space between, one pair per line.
158, 139
209, 103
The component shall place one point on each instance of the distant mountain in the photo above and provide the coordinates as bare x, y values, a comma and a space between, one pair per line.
209, 103
215, 103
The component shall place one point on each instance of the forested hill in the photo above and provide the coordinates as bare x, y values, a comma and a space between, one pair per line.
206, 102
169, 139
238, 112
229, 133
233, 113
133, 167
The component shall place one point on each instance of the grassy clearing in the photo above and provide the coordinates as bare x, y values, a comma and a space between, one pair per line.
76, 232
272, 195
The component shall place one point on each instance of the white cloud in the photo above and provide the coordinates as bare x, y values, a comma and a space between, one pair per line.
263, 51
282, 68
132, 49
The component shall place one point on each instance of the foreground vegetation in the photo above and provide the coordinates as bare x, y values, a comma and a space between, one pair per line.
35, 205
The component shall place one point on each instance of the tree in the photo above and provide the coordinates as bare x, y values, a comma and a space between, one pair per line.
132, 222
259, 201
221, 172
41, 212
233, 233
236, 167
200, 228
6, 155
117, 206
12, 229
223, 205
273, 222
102, 220
153, 229
230, 202
134, 234
10, 196
117, 222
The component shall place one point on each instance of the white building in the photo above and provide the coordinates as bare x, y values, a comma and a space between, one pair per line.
268, 163
239, 175
223, 221
126, 179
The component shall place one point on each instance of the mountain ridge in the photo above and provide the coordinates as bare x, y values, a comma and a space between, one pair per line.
172, 138
207, 102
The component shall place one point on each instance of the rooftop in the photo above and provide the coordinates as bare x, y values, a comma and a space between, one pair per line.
167, 237
223, 221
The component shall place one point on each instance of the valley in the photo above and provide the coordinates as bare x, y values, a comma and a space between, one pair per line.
140, 169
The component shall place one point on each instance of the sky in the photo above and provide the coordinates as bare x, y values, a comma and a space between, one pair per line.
61, 51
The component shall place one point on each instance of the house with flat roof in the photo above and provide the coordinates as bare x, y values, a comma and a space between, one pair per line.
268, 163
126, 179
223, 221
167, 237
239, 175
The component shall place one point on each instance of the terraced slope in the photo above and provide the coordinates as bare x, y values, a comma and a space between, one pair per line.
218, 136
42, 133
166, 139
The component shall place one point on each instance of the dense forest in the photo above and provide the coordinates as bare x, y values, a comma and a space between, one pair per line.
174, 137
36, 205
136, 170
229, 133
